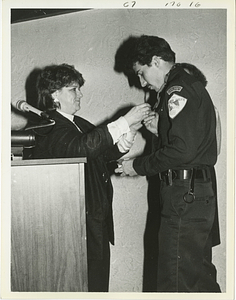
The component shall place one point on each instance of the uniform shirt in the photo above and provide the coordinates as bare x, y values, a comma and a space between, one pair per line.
187, 127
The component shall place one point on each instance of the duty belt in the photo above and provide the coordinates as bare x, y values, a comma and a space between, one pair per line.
169, 175
191, 174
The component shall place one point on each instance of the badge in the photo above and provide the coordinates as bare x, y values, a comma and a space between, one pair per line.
175, 88
175, 104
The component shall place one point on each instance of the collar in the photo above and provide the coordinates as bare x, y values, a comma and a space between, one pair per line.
68, 116
176, 69
163, 85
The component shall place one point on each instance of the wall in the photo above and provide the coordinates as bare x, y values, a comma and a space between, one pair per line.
89, 40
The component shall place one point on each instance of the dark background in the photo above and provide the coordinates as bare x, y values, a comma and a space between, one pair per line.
22, 15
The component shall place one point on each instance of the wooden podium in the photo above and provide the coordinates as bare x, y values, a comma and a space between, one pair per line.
48, 229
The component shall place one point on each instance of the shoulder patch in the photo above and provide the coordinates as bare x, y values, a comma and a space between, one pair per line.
175, 104
174, 88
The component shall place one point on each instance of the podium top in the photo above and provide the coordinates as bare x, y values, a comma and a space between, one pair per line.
53, 161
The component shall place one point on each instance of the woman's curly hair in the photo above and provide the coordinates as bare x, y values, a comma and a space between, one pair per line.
53, 78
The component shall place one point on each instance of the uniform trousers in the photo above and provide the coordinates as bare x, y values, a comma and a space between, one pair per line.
99, 269
185, 249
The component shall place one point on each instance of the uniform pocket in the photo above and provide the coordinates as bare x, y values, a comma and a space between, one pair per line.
200, 210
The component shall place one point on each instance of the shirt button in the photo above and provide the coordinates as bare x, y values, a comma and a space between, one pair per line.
104, 175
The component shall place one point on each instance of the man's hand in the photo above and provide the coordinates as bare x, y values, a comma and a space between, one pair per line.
125, 168
137, 113
151, 122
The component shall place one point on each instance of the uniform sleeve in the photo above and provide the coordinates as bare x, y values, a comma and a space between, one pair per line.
183, 138
218, 131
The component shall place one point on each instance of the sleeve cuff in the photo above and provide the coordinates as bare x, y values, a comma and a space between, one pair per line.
118, 128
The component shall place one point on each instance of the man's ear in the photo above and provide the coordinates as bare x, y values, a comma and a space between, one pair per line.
156, 60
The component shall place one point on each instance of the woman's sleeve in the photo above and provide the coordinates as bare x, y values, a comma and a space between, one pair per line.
64, 141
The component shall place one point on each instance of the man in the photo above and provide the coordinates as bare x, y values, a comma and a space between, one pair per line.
185, 124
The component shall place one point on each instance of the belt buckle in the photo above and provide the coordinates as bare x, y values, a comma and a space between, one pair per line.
169, 176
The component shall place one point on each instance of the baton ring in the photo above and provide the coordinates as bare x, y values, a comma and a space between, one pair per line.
189, 197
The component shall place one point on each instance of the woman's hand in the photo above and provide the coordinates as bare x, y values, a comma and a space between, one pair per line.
137, 113
136, 127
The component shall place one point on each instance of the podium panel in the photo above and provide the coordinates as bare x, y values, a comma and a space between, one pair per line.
48, 229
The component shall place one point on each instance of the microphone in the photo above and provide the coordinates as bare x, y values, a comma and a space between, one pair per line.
22, 138
24, 106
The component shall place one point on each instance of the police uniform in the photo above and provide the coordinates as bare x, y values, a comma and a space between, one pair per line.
184, 158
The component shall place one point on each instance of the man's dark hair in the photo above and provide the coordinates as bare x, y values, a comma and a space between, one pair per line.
141, 49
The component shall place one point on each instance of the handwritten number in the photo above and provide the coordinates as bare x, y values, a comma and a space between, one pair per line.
196, 4
178, 4
171, 3
128, 4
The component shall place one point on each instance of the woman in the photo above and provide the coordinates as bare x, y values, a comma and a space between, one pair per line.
59, 95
